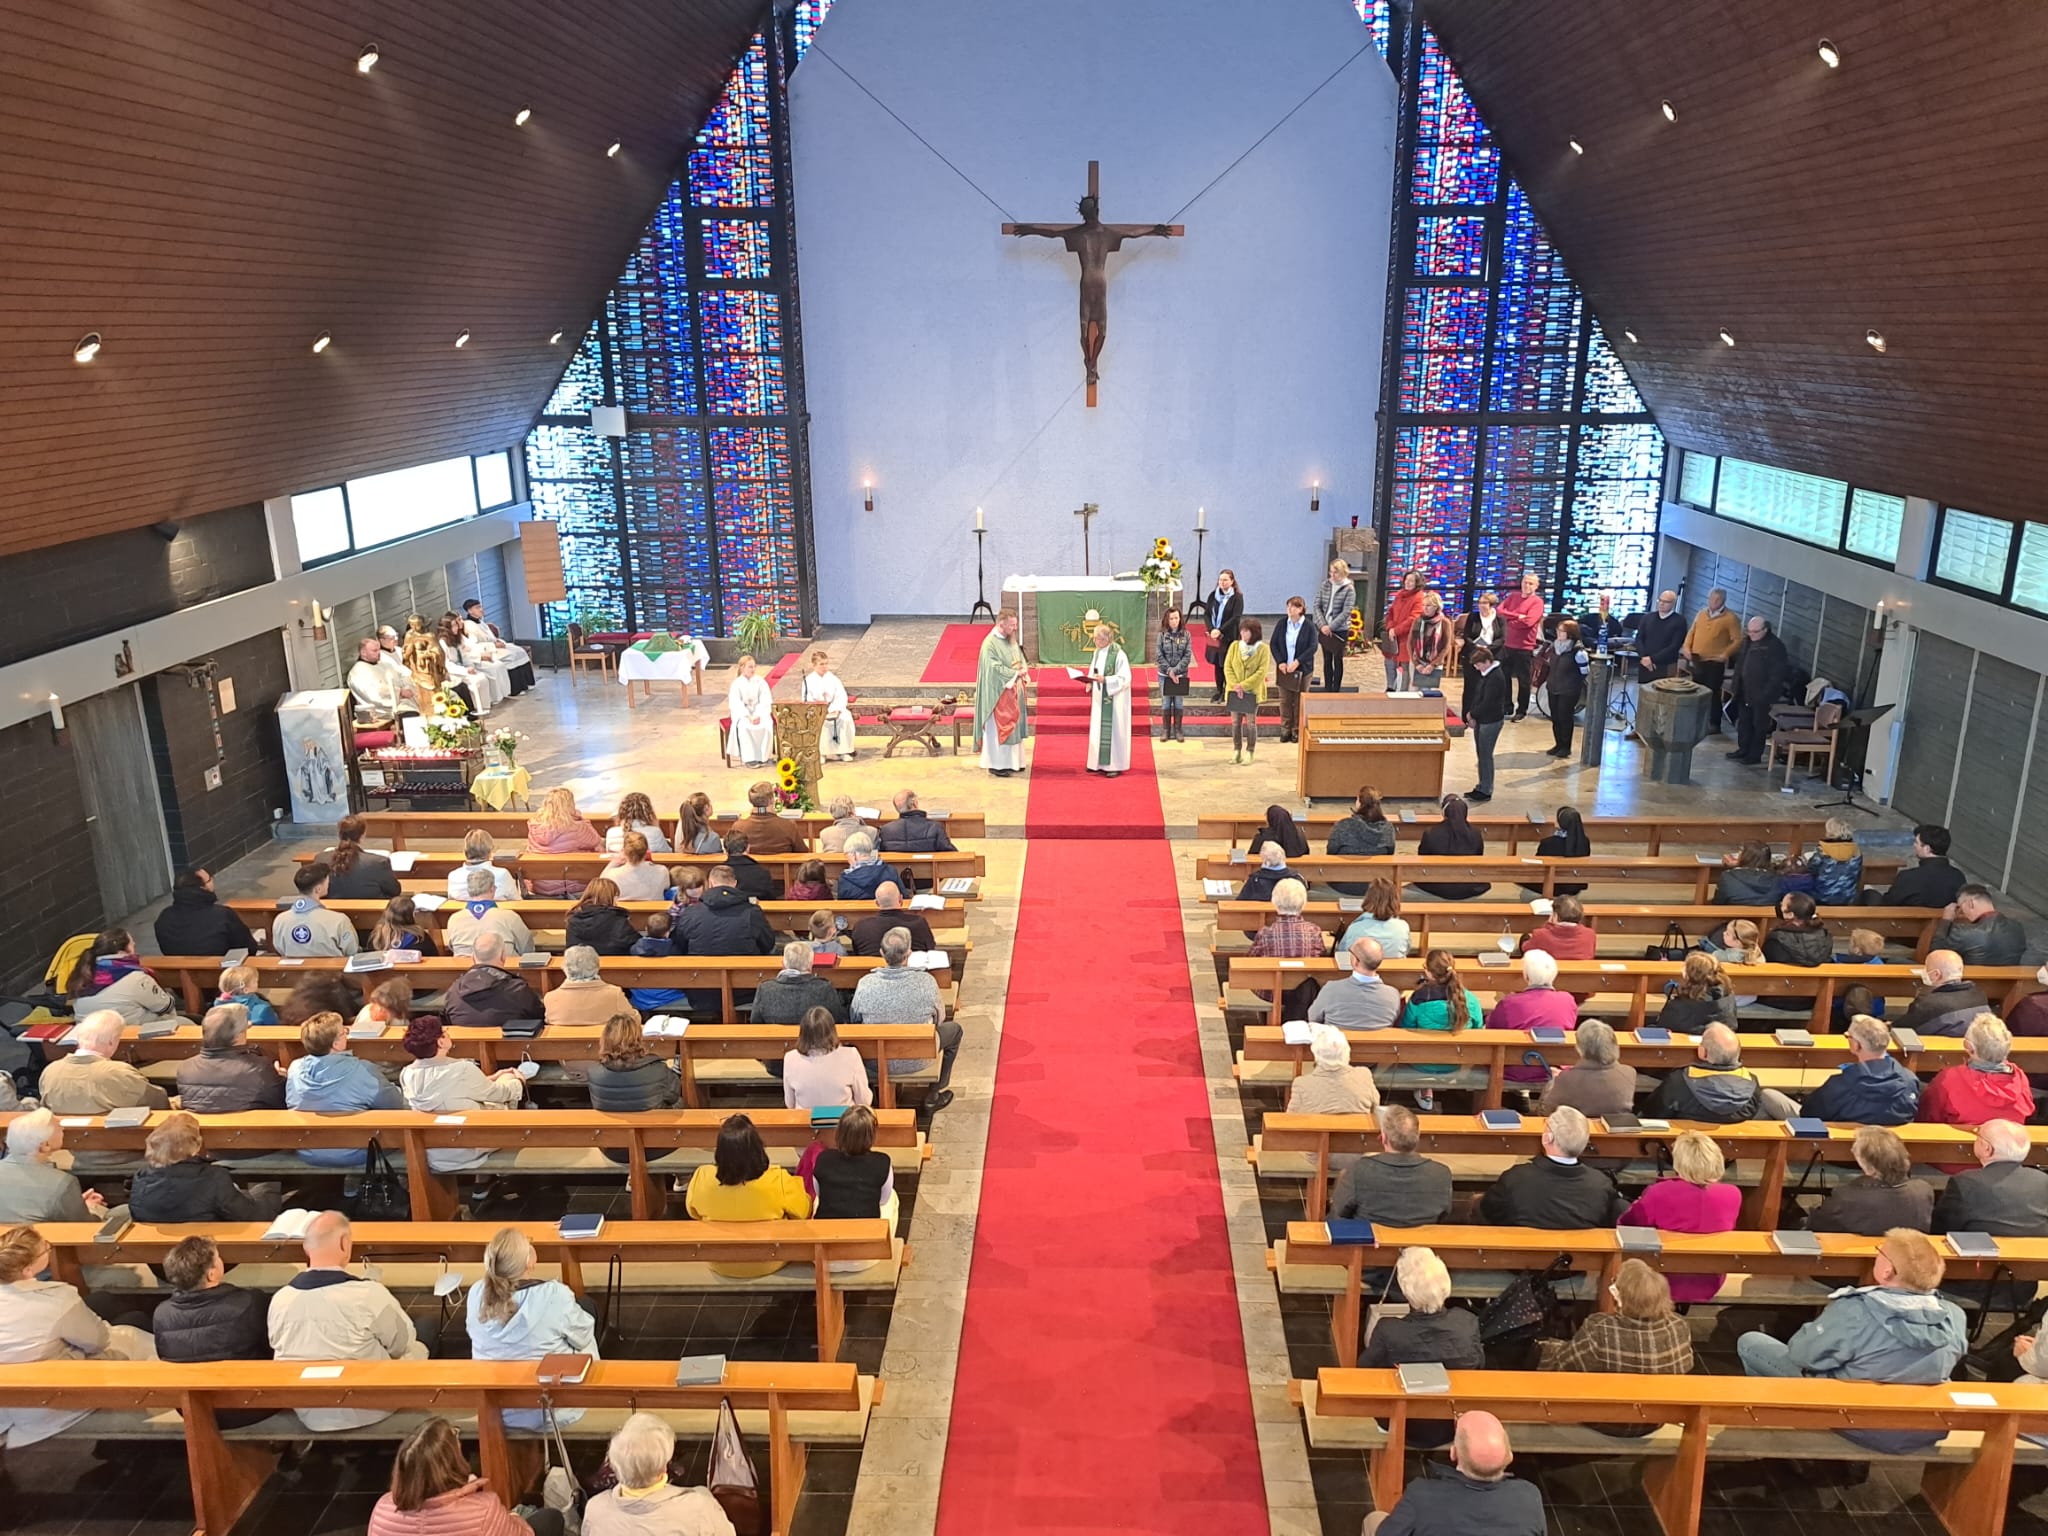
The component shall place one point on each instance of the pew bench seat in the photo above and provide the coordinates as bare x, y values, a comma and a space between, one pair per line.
521, 1162
882, 1275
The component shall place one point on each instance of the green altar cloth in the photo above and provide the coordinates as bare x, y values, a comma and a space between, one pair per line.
1062, 639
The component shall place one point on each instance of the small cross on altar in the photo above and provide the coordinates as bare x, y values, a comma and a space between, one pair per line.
1086, 512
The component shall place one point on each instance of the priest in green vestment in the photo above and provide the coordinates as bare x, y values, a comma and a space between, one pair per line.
999, 681
1109, 705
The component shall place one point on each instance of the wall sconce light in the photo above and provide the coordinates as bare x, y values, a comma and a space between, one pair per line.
56, 717
319, 622
1315, 496
867, 488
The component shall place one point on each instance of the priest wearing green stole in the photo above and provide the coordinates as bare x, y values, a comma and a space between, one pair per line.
1109, 705
999, 686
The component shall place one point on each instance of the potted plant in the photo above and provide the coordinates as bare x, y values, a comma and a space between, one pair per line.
756, 635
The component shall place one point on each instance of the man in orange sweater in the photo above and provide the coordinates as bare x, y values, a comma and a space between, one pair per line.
1715, 636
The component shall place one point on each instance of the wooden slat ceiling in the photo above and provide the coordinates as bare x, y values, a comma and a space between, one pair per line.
211, 184
1799, 207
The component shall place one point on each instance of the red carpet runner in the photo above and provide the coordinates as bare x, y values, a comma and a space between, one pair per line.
1102, 1382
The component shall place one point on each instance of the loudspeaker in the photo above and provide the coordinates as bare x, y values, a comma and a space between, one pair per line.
166, 531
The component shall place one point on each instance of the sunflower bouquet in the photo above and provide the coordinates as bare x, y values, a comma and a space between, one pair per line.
790, 789
1160, 568
1356, 641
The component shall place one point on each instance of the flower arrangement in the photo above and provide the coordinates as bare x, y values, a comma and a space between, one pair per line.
790, 789
450, 726
505, 742
1160, 568
1355, 641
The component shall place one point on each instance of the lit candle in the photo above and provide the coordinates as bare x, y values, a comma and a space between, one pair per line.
1201, 517
56, 713
978, 523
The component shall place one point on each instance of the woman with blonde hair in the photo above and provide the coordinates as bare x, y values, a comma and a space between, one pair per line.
1332, 615
513, 1316
49, 1320
558, 827
636, 814
1642, 1336
178, 1183
1694, 1199
637, 877
1698, 998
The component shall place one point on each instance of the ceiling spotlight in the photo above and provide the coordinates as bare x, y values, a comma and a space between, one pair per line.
555, 340
323, 343
1830, 55
1631, 335
1670, 112
87, 349
1577, 147
612, 153
1727, 340
366, 60
463, 340
519, 118
1876, 340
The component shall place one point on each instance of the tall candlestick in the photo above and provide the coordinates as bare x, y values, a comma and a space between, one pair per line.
1201, 517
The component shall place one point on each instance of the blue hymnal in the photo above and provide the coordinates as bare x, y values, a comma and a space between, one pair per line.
827, 1114
1806, 1125
1973, 1245
580, 1224
1500, 1119
1349, 1234
1547, 1035
1653, 1035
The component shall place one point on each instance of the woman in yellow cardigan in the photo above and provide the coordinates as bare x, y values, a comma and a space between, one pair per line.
740, 1184
1247, 667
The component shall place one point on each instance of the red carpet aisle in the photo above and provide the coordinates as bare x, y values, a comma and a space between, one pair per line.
1102, 1381
957, 655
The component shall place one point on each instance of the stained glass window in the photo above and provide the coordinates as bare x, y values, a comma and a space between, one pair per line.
696, 517
1518, 441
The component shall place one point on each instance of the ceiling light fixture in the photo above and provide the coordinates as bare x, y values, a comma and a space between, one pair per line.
1876, 340
1830, 55
1670, 112
555, 340
1631, 335
323, 343
519, 118
367, 60
1577, 147
612, 153
87, 349
462, 340
1727, 340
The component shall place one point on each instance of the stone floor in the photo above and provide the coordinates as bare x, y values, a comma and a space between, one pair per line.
582, 734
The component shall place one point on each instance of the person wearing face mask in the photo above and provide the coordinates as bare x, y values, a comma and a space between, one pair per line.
1948, 1004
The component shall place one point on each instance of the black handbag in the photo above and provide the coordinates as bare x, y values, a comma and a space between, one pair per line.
1674, 945
381, 1195
1521, 1311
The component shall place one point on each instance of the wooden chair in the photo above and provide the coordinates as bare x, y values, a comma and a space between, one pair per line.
1821, 738
582, 659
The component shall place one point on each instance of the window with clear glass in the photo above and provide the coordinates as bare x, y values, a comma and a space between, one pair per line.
1973, 551
1874, 523
2030, 576
1696, 480
320, 519
493, 480
1804, 507
407, 501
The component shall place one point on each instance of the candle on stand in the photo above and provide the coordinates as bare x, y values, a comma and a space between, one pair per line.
978, 524
1201, 517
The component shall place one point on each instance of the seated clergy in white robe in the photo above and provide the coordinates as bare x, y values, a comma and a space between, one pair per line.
379, 694
1109, 705
483, 686
753, 722
835, 740
518, 663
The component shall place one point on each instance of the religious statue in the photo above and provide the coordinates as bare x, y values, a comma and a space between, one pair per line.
423, 658
1091, 240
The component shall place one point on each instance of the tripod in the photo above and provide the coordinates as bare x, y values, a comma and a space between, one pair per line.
980, 582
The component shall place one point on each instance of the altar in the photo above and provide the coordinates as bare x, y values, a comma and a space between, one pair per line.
1051, 615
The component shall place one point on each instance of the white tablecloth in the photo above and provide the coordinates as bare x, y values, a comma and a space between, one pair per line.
1072, 584
668, 667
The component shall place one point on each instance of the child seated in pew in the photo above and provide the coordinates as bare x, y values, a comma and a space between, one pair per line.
1855, 1000
656, 944
826, 935
809, 884
689, 887
400, 928
238, 985
1866, 947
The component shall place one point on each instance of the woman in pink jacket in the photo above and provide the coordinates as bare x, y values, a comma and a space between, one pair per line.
1694, 1201
433, 1493
558, 827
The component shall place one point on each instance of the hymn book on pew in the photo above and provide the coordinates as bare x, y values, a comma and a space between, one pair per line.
562, 1370
1349, 1234
1796, 1245
366, 1029
1792, 1036
1294, 1032
1225, 888
1621, 1120
1652, 1034
366, 960
289, 1226
926, 902
1427, 1379
1639, 1239
1808, 1128
700, 1370
1500, 1120
127, 1119
1907, 1040
402, 860
580, 1224
665, 1026
1972, 1245
957, 885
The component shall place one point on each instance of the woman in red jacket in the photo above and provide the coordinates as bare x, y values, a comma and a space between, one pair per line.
1986, 1087
1401, 615
1523, 612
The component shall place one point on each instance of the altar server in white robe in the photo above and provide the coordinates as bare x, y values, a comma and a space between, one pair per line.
822, 687
518, 662
485, 686
1109, 705
379, 694
475, 657
748, 702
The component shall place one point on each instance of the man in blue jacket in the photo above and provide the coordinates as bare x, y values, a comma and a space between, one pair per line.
1874, 1088
327, 1080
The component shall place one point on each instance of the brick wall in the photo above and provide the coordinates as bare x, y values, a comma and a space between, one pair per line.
51, 890
214, 827
99, 585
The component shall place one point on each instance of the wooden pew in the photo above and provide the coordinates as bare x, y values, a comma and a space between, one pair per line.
1845, 1259
1966, 1480
1433, 922
227, 1469
430, 871
565, 1132
542, 913
704, 1044
397, 827
1765, 1143
1679, 873
814, 1243
1492, 1051
1652, 833
196, 977
1601, 985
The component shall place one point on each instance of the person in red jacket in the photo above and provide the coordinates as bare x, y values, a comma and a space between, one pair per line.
1986, 1087
1401, 616
1564, 934
1523, 611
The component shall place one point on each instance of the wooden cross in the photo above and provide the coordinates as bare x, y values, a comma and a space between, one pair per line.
1086, 512
1091, 241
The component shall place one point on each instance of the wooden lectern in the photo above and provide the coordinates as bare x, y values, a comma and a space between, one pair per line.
797, 729
1396, 745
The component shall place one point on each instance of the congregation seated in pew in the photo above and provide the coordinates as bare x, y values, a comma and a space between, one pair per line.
329, 1080
1396, 1186
1985, 1087
205, 1320
897, 994
1555, 1188
1262, 882
1949, 1002
635, 816
1718, 1088
558, 827
582, 997
325, 1313
754, 879
1599, 1083
1694, 1197
633, 875
33, 1185
228, 1076
399, 928
1333, 1086
487, 996
790, 995
741, 1184
197, 922
1361, 1000
1698, 998
866, 935
1977, 931
1643, 1336
820, 1073
481, 913
432, 1493
48, 1320
1478, 1498
438, 1082
1431, 1334
514, 1316
309, 930
179, 1183
1883, 1196
111, 978
478, 849
1873, 1087
238, 987
93, 1079
1380, 920
598, 921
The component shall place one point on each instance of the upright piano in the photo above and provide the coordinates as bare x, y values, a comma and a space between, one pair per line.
1396, 745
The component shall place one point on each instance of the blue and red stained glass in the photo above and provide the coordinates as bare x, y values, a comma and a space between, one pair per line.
737, 248
1455, 158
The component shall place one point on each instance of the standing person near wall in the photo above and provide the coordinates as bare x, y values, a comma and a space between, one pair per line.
1713, 640
1523, 612
1401, 614
1334, 602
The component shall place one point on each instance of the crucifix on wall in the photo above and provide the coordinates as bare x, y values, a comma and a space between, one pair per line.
1091, 240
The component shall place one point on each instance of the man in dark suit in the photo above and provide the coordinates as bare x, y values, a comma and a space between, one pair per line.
2002, 1196
1554, 1189
1933, 882
1486, 706
889, 913
1660, 636
1294, 654
756, 880
1761, 667
913, 831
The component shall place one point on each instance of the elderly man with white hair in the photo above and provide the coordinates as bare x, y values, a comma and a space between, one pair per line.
1291, 936
2003, 1195
32, 1187
327, 1314
1554, 1189
1431, 1334
896, 994
481, 912
913, 831
1986, 1087
1262, 882
1948, 1003
92, 1080
487, 995
228, 1076
1360, 1000
1874, 1087
865, 871
1333, 1086
643, 1502
1718, 1088
1478, 1498
796, 989
1599, 1083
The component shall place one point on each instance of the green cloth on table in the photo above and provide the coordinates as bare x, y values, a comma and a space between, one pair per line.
658, 645
1060, 646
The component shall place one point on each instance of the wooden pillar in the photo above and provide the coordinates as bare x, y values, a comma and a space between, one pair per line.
1971, 1499
1675, 1485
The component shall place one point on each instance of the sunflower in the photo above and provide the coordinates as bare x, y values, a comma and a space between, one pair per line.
785, 766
